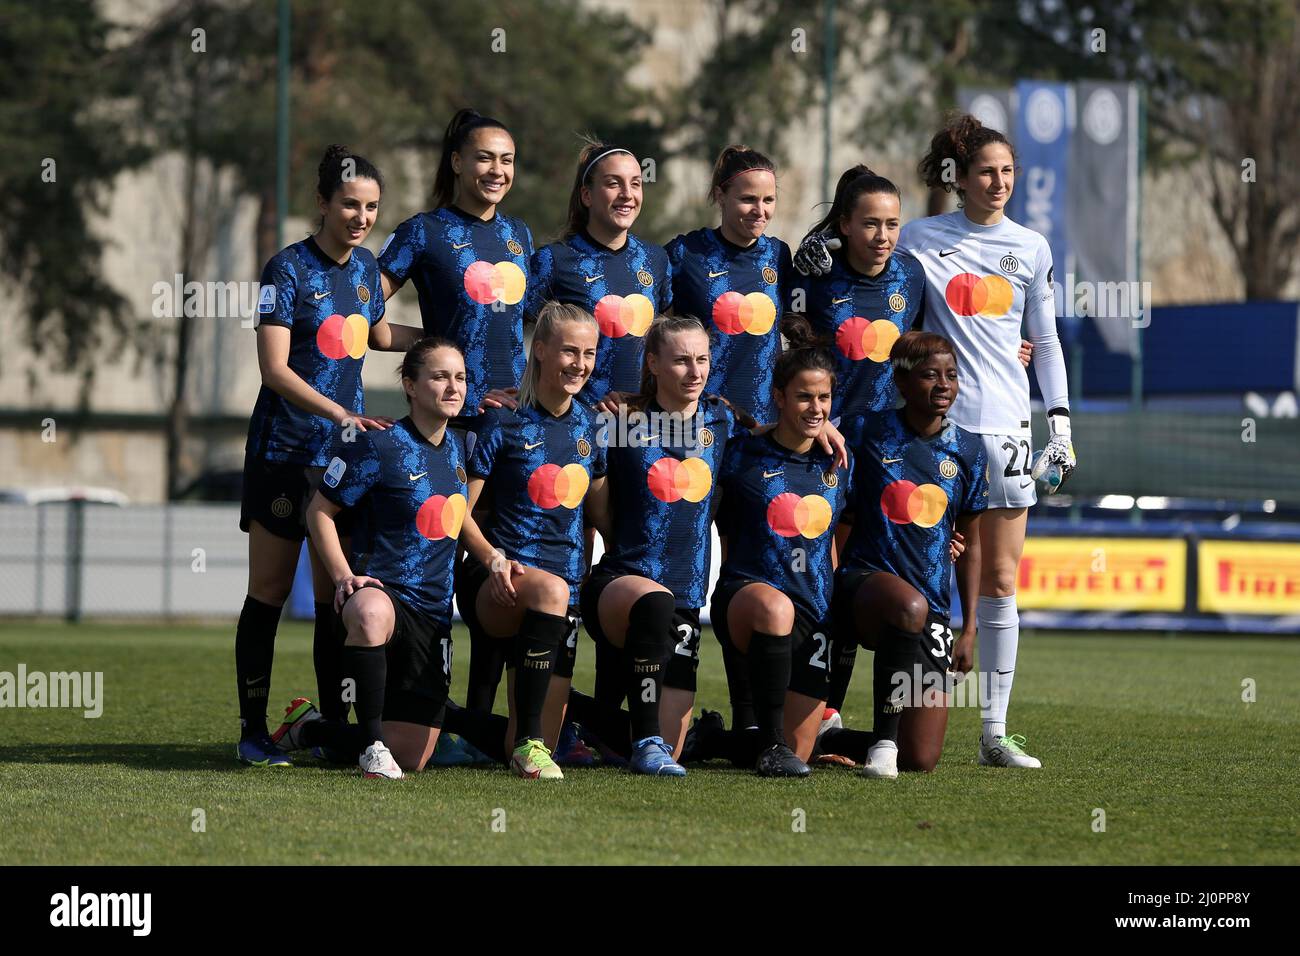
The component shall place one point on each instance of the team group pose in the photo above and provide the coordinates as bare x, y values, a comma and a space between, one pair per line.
854, 418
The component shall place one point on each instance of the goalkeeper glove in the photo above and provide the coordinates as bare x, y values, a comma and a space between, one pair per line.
813, 257
1054, 464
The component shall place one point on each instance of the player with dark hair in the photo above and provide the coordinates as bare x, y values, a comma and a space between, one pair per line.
917, 478
543, 469
986, 276
737, 278
408, 485
850, 256
601, 267
470, 266
319, 309
781, 497
641, 603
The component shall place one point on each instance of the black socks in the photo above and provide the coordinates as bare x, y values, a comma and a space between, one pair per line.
368, 668
649, 642
843, 654
769, 677
487, 659
254, 651
327, 656
895, 655
535, 649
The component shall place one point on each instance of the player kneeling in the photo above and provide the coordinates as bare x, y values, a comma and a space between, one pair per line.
917, 479
781, 497
409, 487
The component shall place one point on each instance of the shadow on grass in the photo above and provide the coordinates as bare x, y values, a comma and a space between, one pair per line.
135, 756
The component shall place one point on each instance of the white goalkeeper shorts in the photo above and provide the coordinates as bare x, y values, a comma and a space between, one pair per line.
1010, 458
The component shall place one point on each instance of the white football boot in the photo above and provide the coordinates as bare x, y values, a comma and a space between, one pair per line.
882, 761
1006, 752
377, 761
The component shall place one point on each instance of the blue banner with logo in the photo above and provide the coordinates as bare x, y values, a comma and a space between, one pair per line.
1044, 123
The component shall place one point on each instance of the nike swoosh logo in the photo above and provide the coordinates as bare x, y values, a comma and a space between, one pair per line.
535, 444
1026, 484
950, 252
321, 295
461, 246
537, 653
640, 660
255, 680
416, 477
591, 279
890, 461
714, 275
772, 474
841, 301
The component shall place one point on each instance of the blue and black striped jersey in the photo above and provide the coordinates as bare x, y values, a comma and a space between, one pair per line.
328, 309
743, 293
661, 498
473, 282
410, 497
538, 467
907, 494
624, 289
864, 316
778, 512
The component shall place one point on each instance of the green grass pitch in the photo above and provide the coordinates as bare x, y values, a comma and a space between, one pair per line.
1153, 731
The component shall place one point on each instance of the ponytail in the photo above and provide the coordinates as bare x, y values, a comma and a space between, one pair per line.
655, 337
593, 154
854, 183
807, 351
954, 148
465, 122
340, 163
731, 162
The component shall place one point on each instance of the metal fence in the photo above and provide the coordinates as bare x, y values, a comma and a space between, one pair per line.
72, 559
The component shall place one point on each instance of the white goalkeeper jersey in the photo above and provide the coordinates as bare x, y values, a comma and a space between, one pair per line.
980, 282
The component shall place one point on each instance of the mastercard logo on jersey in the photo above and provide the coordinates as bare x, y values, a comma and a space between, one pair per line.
441, 516
672, 479
550, 486
860, 339
487, 282
734, 313
989, 297
340, 337
620, 315
790, 515
905, 502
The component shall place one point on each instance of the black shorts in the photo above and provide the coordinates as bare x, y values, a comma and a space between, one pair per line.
933, 652
419, 665
276, 495
683, 662
845, 591
810, 660
470, 578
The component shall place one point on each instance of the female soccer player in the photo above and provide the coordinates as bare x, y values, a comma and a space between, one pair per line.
601, 267
641, 603
319, 308
409, 486
738, 278
469, 263
932, 298
871, 294
542, 466
781, 497
917, 478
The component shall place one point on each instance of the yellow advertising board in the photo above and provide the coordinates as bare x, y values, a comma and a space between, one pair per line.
1248, 577
1103, 574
